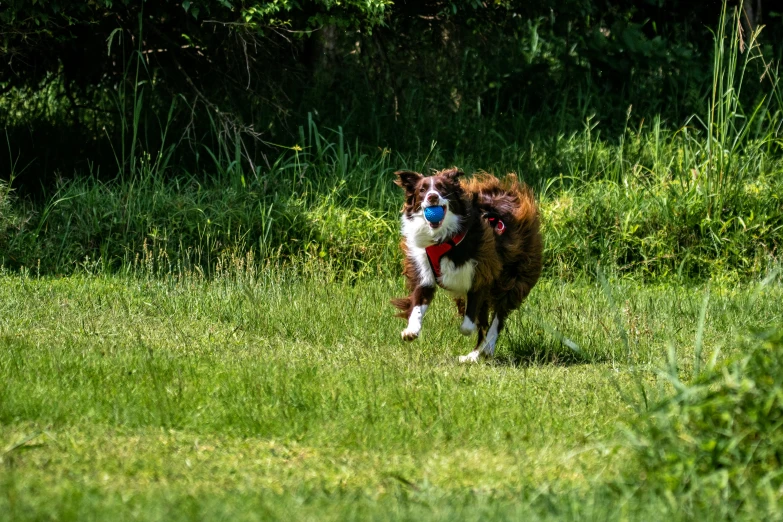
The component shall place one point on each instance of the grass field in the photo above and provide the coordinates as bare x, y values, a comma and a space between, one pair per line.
275, 397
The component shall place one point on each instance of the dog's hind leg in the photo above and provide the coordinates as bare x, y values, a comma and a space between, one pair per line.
481, 339
493, 333
418, 302
485, 345
503, 307
482, 323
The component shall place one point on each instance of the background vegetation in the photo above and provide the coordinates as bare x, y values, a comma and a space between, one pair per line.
396, 75
199, 127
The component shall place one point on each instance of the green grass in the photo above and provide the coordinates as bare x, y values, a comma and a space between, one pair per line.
265, 395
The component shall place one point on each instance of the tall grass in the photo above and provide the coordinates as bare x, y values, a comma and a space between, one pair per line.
737, 138
324, 202
694, 201
714, 443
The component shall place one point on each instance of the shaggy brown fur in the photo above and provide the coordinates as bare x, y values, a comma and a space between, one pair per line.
520, 247
507, 265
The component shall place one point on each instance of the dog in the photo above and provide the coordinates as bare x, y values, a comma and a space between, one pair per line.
485, 250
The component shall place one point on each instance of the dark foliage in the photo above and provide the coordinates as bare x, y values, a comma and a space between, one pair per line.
390, 74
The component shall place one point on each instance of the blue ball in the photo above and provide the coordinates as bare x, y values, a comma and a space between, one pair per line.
434, 214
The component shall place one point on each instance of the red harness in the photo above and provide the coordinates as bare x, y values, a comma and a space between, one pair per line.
435, 252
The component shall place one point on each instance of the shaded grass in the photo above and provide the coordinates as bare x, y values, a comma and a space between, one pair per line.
257, 396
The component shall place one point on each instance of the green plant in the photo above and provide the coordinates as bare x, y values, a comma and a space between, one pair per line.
716, 442
736, 138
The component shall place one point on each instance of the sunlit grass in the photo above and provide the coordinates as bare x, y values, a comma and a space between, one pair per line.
122, 396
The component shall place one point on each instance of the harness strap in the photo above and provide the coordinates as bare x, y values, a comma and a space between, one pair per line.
436, 252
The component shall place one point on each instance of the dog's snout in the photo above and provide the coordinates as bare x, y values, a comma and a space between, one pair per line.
432, 198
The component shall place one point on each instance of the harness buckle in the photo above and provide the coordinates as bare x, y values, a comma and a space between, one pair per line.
495, 222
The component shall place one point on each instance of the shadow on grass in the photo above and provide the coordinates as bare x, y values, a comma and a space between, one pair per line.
539, 352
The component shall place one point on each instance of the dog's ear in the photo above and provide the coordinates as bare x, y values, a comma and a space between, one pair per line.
453, 174
407, 179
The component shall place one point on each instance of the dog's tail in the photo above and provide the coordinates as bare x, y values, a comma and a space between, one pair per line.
508, 200
404, 304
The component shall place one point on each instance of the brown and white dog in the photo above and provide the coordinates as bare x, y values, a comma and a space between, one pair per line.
485, 251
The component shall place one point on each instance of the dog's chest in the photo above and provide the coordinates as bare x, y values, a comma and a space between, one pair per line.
456, 279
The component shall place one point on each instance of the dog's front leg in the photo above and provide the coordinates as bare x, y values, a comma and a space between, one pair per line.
472, 308
419, 302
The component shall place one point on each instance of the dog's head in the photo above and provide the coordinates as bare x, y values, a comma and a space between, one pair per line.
439, 190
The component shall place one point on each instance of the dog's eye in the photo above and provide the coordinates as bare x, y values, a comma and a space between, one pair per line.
421, 190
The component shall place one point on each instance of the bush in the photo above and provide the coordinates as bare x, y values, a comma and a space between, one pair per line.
94, 79
717, 443
656, 228
13, 221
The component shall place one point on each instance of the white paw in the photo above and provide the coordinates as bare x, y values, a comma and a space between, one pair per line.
410, 334
472, 357
467, 327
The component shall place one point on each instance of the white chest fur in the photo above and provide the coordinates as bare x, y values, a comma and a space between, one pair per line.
419, 257
418, 236
456, 279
